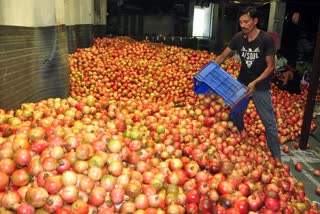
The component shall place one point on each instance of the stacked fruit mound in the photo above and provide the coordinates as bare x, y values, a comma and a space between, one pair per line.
134, 138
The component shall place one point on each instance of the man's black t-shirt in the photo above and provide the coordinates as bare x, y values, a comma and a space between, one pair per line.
252, 56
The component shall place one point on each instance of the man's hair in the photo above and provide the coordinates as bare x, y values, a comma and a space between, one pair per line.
251, 11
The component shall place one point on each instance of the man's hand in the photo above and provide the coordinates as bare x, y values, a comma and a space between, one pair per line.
251, 88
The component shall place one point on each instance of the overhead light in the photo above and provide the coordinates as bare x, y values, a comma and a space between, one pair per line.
236, 2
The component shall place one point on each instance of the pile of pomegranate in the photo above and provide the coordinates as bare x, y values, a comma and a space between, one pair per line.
133, 137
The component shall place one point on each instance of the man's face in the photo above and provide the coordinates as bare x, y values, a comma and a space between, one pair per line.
247, 23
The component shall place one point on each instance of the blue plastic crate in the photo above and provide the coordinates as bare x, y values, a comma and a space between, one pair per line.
212, 78
234, 111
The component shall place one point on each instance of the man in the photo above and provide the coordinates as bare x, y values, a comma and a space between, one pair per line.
257, 53
281, 62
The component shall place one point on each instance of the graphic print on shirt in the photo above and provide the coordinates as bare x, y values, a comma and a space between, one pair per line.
250, 55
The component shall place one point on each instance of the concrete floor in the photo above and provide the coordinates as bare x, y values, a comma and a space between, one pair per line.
310, 159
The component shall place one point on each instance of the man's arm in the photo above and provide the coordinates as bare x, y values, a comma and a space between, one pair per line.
220, 59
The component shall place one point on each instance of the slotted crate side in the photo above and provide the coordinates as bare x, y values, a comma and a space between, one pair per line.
238, 107
201, 87
212, 78
206, 70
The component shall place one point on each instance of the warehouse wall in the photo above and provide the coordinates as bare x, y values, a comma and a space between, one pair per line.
36, 37
158, 24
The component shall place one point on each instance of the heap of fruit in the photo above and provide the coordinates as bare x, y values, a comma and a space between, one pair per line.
134, 138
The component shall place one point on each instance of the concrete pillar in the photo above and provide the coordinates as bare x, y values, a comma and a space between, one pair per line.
100, 18
86, 12
276, 18
36, 38
71, 13
34, 65
190, 24
80, 12
215, 21
100, 12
